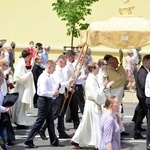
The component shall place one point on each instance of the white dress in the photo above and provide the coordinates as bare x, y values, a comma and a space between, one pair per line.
25, 87
88, 132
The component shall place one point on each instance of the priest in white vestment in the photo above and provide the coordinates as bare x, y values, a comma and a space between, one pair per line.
25, 87
88, 131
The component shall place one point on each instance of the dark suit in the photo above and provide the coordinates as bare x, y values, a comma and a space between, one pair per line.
142, 107
148, 117
45, 112
36, 70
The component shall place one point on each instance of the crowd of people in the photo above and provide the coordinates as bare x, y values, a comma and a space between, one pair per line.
73, 83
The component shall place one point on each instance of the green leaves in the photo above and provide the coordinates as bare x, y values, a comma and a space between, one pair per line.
74, 12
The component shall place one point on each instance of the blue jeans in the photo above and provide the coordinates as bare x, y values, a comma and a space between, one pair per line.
4, 137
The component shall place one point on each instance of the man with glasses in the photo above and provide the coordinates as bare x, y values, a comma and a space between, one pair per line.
117, 74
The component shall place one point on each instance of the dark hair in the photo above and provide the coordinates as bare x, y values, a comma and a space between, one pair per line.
25, 53
145, 58
91, 66
109, 101
37, 45
70, 53
107, 57
37, 58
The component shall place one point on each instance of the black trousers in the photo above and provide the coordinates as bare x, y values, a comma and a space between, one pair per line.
142, 112
10, 131
78, 96
57, 104
73, 108
45, 112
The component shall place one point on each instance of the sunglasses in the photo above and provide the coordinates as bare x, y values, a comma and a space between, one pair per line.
5, 65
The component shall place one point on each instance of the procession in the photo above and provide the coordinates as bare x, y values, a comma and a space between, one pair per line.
57, 88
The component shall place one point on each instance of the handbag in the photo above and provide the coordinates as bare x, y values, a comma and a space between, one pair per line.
10, 99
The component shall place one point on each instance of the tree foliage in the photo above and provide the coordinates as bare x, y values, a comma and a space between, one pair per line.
73, 12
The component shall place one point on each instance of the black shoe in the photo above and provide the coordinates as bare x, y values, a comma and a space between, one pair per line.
57, 144
22, 127
42, 135
76, 124
69, 120
64, 136
30, 144
121, 138
66, 129
10, 143
142, 130
139, 136
76, 145
124, 133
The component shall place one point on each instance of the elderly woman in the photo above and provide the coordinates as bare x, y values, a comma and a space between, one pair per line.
88, 132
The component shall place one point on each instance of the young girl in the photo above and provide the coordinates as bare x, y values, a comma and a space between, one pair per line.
109, 126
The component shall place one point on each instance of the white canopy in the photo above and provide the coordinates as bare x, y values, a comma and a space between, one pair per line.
122, 32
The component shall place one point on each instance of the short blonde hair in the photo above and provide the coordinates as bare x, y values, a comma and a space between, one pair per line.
91, 66
3, 61
109, 101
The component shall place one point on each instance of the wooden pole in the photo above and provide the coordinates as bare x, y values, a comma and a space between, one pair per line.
73, 76
77, 77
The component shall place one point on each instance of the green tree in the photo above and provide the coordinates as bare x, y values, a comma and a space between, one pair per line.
73, 12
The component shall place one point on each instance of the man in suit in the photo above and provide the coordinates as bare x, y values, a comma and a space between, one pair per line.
46, 91
147, 93
142, 109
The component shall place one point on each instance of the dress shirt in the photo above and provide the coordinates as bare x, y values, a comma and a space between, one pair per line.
60, 79
4, 88
7, 56
146, 69
68, 70
45, 85
147, 85
80, 79
102, 76
44, 56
